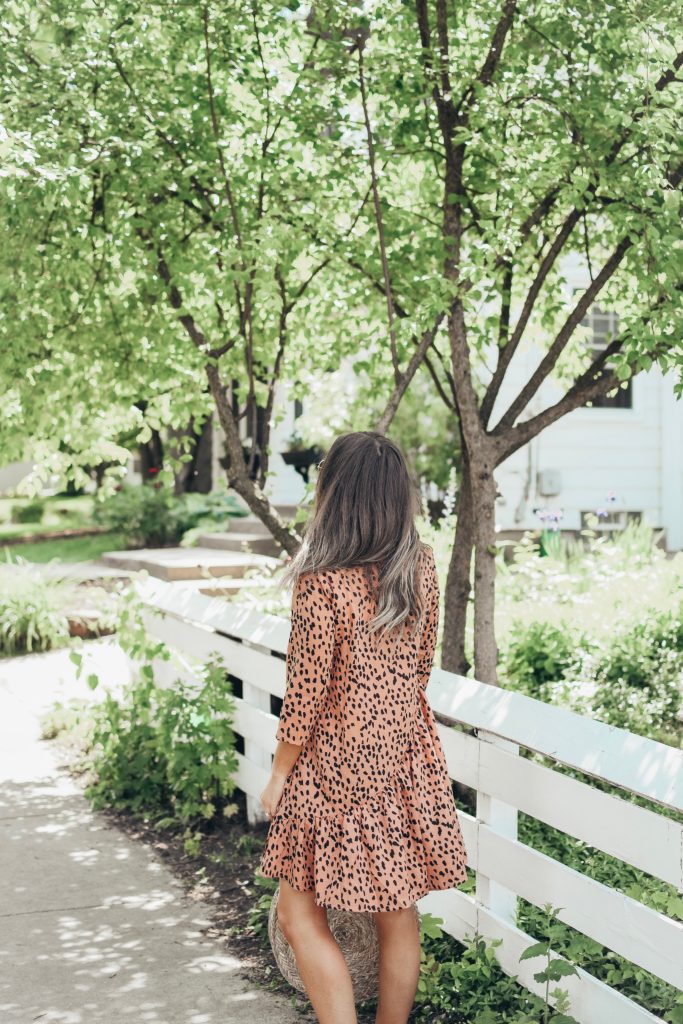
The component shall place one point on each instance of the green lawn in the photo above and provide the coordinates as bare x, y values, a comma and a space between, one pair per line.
60, 514
72, 549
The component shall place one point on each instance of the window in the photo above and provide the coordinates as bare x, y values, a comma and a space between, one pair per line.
604, 327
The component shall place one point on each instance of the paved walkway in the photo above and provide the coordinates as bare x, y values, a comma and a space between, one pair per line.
93, 928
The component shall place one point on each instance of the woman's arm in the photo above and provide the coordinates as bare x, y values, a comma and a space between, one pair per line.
309, 661
283, 762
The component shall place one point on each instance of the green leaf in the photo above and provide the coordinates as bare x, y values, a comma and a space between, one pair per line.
537, 949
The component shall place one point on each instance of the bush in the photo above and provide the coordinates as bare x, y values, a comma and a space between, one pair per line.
143, 514
541, 657
32, 611
28, 511
197, 513
640, 676
168, 752
150, 515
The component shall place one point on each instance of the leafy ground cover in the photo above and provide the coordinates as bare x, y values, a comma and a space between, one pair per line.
39, 611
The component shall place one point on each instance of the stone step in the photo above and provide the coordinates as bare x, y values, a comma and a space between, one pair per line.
247, 524
252, 524
236, 540
224, 586
188, 563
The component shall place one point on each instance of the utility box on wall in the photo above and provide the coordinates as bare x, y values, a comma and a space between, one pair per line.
548, 482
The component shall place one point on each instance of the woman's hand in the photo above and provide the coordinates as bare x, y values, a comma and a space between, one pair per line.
270, 797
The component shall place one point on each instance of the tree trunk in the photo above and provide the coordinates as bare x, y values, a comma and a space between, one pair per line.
151, 456
459, 581
194, 475
484, 516
238, 476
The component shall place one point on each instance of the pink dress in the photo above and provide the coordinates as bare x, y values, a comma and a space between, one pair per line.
367, 819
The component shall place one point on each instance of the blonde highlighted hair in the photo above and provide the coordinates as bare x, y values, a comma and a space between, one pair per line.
364, 515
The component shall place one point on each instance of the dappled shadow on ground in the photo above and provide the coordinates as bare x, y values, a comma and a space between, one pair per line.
94, 929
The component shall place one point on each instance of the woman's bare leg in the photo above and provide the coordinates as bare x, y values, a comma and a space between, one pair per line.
399, 964
320, 961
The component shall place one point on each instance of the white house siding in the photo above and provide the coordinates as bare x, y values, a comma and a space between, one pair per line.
635, 453
12, 474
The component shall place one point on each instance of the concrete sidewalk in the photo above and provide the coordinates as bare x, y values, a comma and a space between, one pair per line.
93, 928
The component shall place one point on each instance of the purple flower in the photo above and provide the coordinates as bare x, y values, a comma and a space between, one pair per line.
550, 515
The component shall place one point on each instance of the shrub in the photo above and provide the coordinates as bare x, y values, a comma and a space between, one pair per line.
29, 511
640, 676
540, 657
143, 514
150, 515
197, 513
165, 751
32, 611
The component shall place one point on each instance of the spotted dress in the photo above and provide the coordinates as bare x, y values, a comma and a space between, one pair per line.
367, 819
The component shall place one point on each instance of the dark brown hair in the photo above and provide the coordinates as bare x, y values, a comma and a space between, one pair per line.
364, 514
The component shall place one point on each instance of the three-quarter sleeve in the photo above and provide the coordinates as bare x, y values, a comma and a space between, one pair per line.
310, 651
427, 642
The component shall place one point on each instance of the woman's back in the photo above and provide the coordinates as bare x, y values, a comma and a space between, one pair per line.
367, 816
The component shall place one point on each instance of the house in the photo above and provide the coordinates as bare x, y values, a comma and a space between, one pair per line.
622, 456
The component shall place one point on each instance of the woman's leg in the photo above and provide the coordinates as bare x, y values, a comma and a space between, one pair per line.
399, 964
320, 961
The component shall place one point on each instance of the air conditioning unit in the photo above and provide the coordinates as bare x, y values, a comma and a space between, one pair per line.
548, 482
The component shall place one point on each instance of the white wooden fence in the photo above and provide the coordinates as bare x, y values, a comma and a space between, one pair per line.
252, 646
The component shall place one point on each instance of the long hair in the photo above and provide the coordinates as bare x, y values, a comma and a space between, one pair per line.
364, 515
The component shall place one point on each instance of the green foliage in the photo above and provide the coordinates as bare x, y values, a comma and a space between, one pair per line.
28, 511
32, 610
151, 515
633, 679
542, 660
597, 627
260, 908
218, 169
634, 982
202, 513
463, 983
144, 514
640, 676
168, 752
555, 968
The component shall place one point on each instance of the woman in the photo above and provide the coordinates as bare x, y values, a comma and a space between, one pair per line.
360, 801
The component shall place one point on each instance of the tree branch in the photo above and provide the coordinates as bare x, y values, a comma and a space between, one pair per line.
549, 361
380, 229
506, 353
406, 377
495, 51
216, 129
597, 380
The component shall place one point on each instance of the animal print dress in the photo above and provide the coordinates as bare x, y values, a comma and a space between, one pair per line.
367, 819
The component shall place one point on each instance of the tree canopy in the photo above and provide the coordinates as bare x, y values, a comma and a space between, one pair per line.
203, 199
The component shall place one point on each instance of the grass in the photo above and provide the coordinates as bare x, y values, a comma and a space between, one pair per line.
60, 514
66, 549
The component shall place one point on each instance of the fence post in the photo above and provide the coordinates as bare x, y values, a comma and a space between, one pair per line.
253, 751
502, 818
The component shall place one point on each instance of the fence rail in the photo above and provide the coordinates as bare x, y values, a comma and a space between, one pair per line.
482, 752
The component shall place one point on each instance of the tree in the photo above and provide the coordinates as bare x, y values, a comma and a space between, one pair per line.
234, 182
156, 275
529, 131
